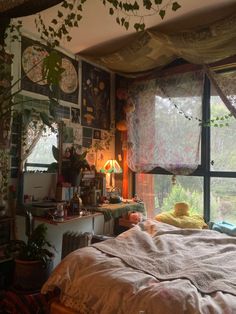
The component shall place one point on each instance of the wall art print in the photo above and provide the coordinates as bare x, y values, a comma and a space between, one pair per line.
95, 105
32, 53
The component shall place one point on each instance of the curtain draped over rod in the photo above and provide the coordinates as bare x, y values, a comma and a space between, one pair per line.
164, 129
154, 49
225, 87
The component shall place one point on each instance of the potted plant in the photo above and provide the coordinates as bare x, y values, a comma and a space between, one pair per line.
33, 259
72, 165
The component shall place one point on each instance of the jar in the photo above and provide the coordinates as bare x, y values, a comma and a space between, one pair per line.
75, 204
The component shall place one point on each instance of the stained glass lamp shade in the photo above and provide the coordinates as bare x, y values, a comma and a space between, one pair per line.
111, 166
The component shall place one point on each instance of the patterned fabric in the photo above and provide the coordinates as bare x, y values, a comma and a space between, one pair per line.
224, 83
19, 303
154, 48
116, 210
164, 129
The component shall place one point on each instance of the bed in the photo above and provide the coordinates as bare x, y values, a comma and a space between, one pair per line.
153, 268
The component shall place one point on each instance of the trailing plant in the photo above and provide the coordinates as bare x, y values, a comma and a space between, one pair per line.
126, 13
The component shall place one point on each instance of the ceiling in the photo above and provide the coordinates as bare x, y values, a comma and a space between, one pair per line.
97, 27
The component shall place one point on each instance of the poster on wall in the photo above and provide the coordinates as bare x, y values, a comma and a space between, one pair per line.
95, 107
32, 55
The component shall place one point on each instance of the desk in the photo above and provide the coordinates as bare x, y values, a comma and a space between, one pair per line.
117, 210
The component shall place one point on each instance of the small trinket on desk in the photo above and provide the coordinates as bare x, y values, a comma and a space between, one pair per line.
75, 204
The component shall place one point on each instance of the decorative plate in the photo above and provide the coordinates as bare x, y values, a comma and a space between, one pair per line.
69, 80
32, 63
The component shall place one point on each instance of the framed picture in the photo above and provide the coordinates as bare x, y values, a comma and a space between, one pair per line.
67, 134
87, 142
95, 108
87, 132
75, 115
32, 55
97, 134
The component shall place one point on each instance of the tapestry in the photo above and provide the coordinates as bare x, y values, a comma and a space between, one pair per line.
95, 105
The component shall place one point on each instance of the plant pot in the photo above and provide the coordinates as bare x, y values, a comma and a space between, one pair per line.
31, 275
75, 178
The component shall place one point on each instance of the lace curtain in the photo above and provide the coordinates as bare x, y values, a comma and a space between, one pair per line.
225, 85
164, 129
31, 136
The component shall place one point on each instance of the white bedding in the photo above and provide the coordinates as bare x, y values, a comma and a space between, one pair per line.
93, 282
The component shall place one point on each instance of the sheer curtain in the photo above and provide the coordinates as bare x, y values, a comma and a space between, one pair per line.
164, 130
31, 134
225, 86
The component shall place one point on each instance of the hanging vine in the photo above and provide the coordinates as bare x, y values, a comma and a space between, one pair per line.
126, 13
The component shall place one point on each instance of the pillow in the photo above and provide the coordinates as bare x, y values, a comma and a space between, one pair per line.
184, 221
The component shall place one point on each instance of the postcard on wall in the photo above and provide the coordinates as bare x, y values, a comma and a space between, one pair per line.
87, 142
77, 134
67, 134
75, 115
95, 107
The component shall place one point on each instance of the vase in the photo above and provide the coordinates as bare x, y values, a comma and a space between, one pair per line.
75, 178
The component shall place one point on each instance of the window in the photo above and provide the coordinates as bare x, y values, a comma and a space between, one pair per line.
161, 192
211, 189
41, 155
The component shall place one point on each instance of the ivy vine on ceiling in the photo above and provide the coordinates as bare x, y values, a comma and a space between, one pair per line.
127, 14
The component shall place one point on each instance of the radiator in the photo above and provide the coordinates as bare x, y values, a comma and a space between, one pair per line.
72, 241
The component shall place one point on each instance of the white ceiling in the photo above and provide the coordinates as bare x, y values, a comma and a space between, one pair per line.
98, 27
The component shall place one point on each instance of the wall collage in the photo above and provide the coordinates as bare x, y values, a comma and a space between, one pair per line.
84, 97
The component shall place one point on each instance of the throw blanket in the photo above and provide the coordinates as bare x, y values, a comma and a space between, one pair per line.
207, 258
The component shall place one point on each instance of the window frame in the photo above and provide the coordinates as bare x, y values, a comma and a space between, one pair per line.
204, 169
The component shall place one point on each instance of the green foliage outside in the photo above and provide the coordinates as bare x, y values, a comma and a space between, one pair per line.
180, 194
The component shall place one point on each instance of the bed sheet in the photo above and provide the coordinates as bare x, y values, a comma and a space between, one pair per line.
93, 282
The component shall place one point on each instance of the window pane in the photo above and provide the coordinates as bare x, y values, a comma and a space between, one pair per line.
42, 152
223, 199
223, 149
159, 194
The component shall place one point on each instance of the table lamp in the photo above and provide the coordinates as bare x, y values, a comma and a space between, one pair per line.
110, 168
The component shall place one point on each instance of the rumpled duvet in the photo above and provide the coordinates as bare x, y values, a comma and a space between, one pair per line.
153, 268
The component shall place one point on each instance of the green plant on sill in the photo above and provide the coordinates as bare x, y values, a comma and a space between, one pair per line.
72, 163
37, 248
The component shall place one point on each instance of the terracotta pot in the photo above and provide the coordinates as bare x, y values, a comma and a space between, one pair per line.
31, 275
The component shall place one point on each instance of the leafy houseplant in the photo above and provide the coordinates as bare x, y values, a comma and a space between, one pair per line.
33, 259
72, 165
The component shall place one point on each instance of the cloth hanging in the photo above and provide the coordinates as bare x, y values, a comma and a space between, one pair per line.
33, 133
164, 130
225, 87
156, 47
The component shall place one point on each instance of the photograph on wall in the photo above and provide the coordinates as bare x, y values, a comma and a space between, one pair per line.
97, 134
95, 107
67, 134
75, 115
77, 134
62, 112
32, 55
87, 132
87, 142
